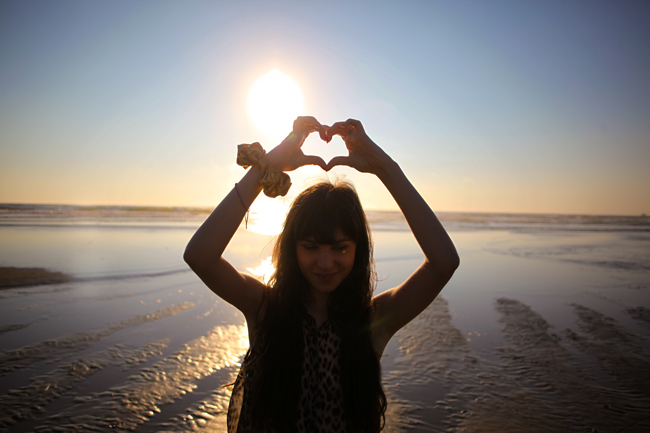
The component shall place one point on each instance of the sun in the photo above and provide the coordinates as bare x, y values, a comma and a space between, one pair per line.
274, 102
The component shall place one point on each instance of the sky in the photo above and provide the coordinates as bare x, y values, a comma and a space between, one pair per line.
491, 106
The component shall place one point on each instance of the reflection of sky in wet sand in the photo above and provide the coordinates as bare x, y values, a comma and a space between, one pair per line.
530, 320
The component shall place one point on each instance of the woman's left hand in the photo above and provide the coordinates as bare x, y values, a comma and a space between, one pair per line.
288, 155
364, 155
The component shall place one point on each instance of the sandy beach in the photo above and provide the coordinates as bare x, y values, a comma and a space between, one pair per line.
545, 327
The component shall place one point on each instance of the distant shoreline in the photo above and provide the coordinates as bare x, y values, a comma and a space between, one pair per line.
135, 210
175, 217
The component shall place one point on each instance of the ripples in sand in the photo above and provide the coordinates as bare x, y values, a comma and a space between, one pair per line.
542, 382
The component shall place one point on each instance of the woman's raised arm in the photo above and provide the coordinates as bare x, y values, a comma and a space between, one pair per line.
398, 306
205, 250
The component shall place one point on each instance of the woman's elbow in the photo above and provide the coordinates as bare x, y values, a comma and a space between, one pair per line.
454, 263
191, 258
448, 270
445, 269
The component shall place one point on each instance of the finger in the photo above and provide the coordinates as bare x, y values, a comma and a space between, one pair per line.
339, 160
336, 129
302, 127
321, 129
306, 119
307, 124
323, 133
354, 125
314, 160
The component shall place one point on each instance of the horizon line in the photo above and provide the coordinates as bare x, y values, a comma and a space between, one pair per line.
210, 207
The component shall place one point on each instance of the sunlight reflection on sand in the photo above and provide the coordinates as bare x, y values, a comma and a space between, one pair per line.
264, 270
267, 216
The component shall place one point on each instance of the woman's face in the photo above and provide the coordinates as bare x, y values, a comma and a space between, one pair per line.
326, 266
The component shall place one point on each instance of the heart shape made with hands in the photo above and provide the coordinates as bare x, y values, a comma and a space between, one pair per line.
314, 153
324, 148
363, 154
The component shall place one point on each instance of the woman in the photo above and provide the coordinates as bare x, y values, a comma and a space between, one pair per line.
316, 332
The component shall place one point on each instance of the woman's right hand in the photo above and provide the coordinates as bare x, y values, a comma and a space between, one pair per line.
288, 155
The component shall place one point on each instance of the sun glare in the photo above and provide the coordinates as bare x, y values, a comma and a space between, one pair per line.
267, 216
264, 270
274, 101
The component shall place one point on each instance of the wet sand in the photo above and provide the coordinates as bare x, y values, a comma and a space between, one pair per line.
20, 277
543, 331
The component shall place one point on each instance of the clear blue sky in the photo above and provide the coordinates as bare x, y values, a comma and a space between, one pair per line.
487, 106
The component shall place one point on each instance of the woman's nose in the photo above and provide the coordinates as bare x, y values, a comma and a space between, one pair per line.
325, 260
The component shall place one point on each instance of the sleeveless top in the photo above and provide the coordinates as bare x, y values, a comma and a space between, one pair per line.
320, 407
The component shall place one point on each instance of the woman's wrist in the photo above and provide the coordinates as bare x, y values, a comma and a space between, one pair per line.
389, 171
250, 184
274, 181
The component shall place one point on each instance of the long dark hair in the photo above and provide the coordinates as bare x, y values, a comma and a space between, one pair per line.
276, 358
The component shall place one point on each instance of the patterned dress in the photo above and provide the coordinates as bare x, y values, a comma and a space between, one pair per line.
320, 408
